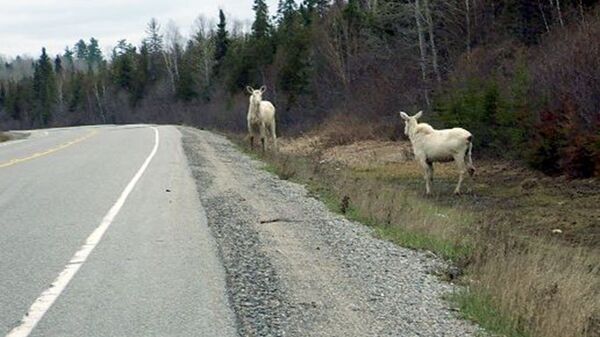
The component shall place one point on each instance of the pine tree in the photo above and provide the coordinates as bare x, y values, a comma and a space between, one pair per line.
76, 92
318, 7
293, 57
354, 16
261, 27
286, 11
44, 86
186, 86
261, 45
58, 68
154, 38
2, 97
81, 51
154, 46
123, 65
68, 56
94, 54
221, 41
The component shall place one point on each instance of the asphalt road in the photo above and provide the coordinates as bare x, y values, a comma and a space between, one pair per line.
154, 272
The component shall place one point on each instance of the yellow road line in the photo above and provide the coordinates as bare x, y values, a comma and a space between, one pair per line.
52, 150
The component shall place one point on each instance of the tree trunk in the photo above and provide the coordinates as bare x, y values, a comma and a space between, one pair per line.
59, 87
560, 18
99, 102
468, 24
170, 71
544, 16
430, 26
422, 48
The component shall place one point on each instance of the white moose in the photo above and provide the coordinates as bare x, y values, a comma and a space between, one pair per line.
430, 146
261, 117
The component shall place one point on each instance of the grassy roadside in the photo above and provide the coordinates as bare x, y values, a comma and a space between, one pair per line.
4, 137
522, 280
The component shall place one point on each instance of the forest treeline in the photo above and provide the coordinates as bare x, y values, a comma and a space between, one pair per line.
523, 76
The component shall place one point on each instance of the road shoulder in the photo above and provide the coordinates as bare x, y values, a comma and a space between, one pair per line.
295, 268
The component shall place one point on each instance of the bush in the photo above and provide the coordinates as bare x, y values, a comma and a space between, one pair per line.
563, 143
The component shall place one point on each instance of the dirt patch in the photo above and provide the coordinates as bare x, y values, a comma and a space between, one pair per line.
365, 154
301, 146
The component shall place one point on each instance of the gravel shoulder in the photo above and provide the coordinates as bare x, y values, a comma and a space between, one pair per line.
293, 268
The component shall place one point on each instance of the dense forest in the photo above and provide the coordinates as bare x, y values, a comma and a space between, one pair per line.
523, 76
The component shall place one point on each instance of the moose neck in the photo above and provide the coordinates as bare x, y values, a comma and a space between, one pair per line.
256, 106
412, 131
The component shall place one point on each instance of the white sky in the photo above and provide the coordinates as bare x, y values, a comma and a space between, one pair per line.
28, 25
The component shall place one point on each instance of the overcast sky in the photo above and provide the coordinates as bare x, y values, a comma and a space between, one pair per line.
28, 25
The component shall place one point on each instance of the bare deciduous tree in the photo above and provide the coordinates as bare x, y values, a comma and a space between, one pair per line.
422, 47
172, 53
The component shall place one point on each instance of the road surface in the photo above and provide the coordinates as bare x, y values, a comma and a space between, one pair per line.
85, 256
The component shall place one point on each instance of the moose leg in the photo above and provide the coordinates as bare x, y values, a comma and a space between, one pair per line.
274, 136
429, 171
427, 174
462, 169
263, 135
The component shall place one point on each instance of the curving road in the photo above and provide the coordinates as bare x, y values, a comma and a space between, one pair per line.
85, 256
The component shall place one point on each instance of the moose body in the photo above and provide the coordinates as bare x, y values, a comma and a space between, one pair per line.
431, 145
261, 118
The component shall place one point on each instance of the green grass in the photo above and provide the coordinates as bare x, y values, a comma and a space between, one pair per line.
480, 308
420, 241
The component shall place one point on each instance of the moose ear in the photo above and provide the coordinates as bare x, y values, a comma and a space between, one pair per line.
403, 115
419, 114
249, 89
263, 88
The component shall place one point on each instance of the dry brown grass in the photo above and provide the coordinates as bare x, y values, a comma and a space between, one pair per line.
550, 290
499, 232
344, 129
4, 137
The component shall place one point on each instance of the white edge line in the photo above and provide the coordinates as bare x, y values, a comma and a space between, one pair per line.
41, 305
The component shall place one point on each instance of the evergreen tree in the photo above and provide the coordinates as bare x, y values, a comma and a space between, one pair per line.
2, 96
354, 16
68, 56
154, 50
44, 86
318, 7
154, 39
94, 54
58, 68
126, 71
221, 41
76, 93
261, 27
123, 65
261, 50
286, 11
81, 51
293, 57
186, 85
144, 64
